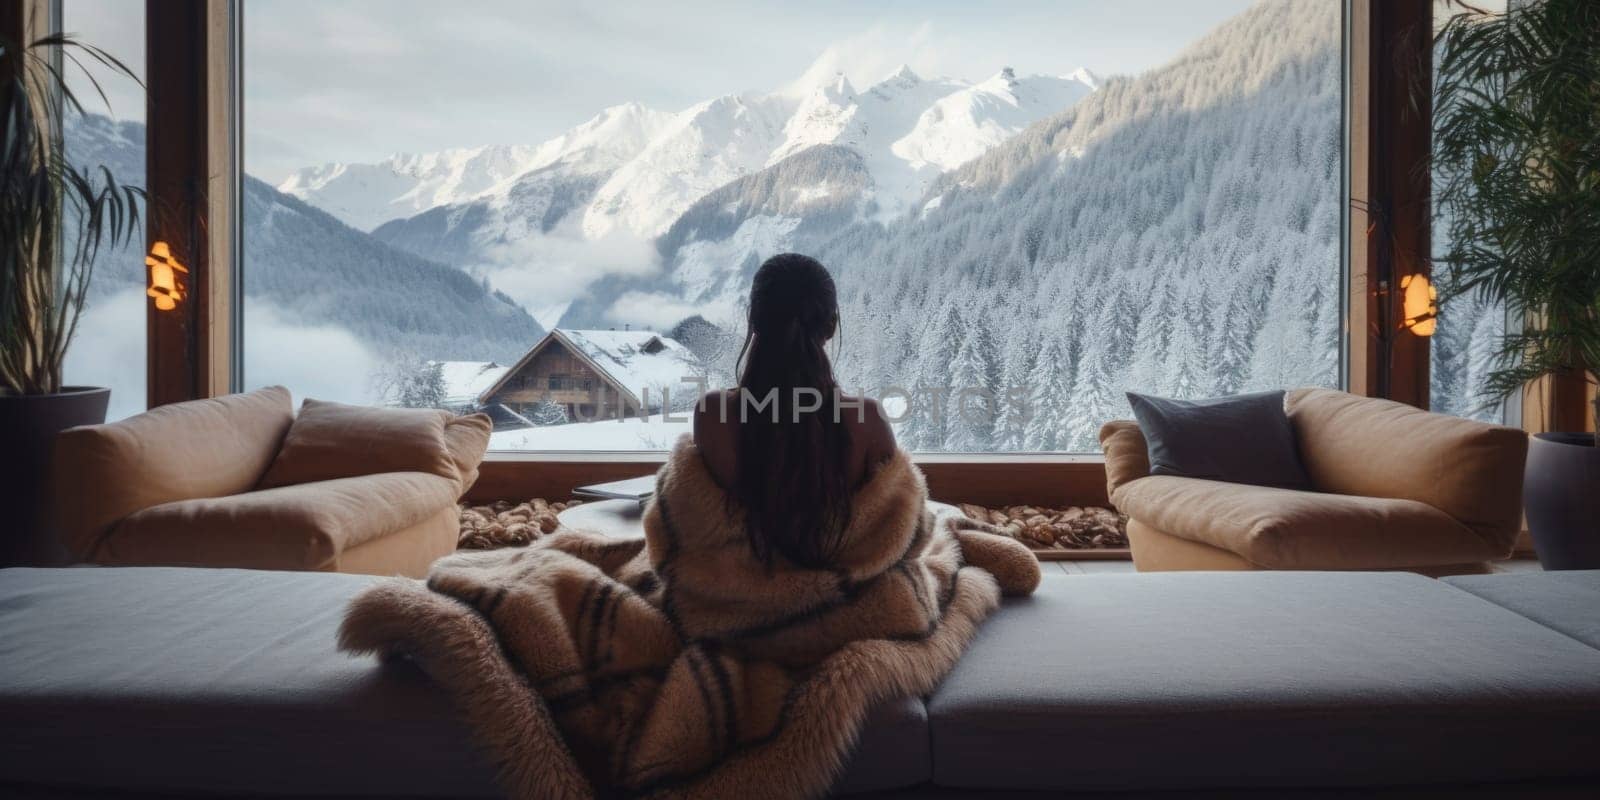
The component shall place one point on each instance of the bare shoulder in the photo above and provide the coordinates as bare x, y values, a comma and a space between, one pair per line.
872, 432
716, 435
712, 416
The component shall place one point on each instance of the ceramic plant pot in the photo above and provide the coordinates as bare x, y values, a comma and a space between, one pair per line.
1561, 497
28, 428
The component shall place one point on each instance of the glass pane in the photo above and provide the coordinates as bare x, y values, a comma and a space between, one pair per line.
109, 348
546, 212
1469, 330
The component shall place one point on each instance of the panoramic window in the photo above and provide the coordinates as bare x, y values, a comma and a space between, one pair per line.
109, 346
552, 214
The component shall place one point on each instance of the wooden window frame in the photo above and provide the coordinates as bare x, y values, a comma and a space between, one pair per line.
198, 355
192, 180
1388, 47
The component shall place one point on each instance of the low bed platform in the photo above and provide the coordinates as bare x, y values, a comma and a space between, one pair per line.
155, 681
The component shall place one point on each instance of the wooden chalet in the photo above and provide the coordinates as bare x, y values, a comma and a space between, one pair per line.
595, 375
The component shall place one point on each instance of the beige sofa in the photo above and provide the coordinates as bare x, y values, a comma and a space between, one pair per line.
182, 485
1396, 488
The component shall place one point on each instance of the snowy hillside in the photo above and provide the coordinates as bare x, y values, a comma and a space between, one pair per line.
1175, 233
305, 268
316, 269
617, 183
714, 247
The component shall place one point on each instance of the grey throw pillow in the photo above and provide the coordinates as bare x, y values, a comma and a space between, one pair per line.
1240, 439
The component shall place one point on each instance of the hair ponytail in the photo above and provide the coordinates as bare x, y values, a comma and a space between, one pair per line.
794, 475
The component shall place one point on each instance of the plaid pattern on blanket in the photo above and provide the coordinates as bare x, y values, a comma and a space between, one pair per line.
679, 666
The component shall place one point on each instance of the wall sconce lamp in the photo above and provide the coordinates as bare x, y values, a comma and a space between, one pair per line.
1420, 306
166, 286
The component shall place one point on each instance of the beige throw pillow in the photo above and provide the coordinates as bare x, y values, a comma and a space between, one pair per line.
334, 440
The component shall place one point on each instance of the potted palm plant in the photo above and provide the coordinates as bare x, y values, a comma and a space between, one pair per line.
55, 217
1516, 170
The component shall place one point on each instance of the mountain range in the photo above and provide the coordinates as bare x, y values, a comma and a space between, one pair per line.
633, 173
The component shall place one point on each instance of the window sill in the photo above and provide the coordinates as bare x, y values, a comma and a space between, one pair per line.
660, 457
988, 479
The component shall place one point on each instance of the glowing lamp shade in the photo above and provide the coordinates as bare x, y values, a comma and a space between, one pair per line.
166, 287
1421, 305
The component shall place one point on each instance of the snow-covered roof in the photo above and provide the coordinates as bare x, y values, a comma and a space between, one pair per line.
465, 380
635, 360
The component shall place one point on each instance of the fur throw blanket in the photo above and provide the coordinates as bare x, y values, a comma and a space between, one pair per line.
679, 666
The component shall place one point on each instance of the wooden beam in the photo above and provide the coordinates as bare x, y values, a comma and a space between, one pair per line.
1560, 402
223, 200
176, 169
193, 193
1391, 123
25, 21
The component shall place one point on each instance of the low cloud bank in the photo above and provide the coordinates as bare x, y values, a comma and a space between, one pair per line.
109, 350
326, 362
549, 271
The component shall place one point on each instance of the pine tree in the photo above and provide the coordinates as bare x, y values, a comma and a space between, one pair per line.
1015, 401
970, 407
411, 382
1233, 346
1098, 391
927, 426
1190, 377
1050, 402
1152, 343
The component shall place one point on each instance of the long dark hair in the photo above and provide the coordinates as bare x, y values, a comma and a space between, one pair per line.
794, 475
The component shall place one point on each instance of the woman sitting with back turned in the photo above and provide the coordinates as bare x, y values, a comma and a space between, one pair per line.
786, 443
791, 578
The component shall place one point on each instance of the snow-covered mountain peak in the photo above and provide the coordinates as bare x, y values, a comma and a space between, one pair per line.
964, 124
839, 89
903, 75
605, 140
696, 151
1085, 76
366, 195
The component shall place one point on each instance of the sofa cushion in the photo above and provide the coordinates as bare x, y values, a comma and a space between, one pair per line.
228, 683
1127, 453
334, 440
202, 448
467, 439
1259, 679
1378, 448
1288, 529
1155, 550
290, 527
1565, 601
1240, 439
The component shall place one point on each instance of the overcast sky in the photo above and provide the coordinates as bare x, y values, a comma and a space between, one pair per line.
357, 80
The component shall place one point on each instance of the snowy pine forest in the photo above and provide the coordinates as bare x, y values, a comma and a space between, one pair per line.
1052, 241
1175, 233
